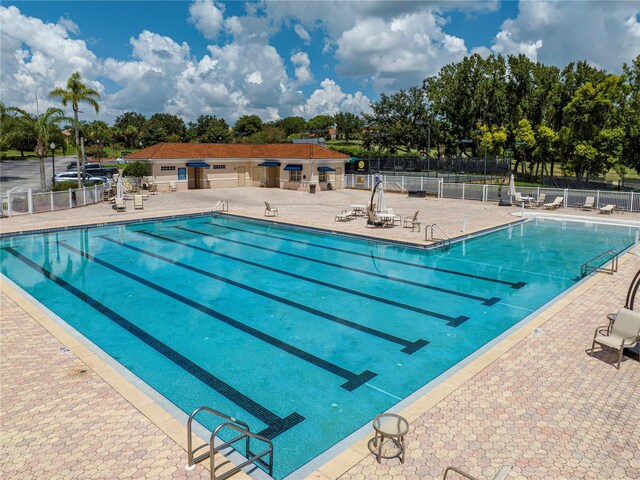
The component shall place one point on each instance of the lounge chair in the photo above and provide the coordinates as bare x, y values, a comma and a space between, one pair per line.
345, 216
625, 333
500, 474
173, 187
412, 222
517, 197
540, 201
557, 202
120, 205
373, 220
137, 202
589, 203
608, 209
270, 211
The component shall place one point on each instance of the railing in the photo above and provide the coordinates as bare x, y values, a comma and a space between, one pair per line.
433, 232
21, 202
221, 206
587, 268
623, 201
245, 434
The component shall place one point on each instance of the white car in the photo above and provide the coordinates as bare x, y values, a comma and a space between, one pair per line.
121, 160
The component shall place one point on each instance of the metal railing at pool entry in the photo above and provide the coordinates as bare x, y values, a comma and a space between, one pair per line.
221, 206
434, 232
587, 267
245, 434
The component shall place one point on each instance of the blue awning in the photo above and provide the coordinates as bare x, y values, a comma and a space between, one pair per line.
293, 167
198, 164
269, 164
326, 169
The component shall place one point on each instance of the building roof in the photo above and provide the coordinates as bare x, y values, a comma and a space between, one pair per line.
236, 150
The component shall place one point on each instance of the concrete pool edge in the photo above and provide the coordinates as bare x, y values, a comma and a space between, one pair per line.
330, 465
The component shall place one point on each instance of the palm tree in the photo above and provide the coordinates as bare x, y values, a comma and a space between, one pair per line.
75, 93
43, 127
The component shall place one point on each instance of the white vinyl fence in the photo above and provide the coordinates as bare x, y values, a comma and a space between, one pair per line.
624, 201
19, 202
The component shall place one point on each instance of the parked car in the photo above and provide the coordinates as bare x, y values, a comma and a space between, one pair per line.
95, 168
72, 176
121, 161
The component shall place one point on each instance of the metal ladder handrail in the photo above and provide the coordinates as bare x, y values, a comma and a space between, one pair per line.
221, 206
584, 268
445, 240
233, 424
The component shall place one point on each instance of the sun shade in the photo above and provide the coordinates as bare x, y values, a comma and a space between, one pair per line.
293, 167
269, 164
198, 164
326, 169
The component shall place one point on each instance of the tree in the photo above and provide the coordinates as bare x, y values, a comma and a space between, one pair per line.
545, 141
348, 125
292, 125
136, 170
75, 93
630, 154
525, 141
163, 127
127, 128
269, 134
247, 125
15, 134
319, 124
43, 127
209, 129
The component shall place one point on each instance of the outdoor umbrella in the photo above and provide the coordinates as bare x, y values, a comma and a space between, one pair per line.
119, 187
381, 201
512, 187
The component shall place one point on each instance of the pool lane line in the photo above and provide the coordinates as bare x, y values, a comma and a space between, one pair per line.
276, 424
485, 301
409, 347
451, 321
514, 285
353, 380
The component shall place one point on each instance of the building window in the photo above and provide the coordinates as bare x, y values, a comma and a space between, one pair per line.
167, 168
322, 176
218, 167
295, 176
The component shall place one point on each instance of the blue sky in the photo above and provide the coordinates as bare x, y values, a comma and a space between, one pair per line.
285, 58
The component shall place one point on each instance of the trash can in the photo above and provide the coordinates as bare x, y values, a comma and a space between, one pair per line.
312, 188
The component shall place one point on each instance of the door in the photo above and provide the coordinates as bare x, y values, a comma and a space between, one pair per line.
242, 176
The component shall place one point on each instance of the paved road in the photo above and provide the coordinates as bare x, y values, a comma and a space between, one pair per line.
26, 173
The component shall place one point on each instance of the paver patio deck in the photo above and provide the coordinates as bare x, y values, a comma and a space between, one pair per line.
537, 401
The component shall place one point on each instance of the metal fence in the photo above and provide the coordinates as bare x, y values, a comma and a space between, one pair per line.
20, 202
623, 201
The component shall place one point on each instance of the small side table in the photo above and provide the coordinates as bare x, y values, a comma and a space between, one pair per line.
394, 428
612, 318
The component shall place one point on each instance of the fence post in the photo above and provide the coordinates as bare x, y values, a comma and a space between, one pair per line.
9, 209
70, 199
597, 198
631, 206
84, 195
29, 201
422, 183
463, 190
484, 192
566, 197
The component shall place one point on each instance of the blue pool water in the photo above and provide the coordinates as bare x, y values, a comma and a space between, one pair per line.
304, 335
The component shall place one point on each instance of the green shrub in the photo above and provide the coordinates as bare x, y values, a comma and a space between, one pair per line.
136, 170
71, 184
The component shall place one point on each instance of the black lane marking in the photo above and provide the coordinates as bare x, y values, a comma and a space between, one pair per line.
277, 425
353, 380
451, 321
515, 285
483, 300
409, 347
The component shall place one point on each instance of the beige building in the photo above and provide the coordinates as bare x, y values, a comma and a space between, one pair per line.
216, 165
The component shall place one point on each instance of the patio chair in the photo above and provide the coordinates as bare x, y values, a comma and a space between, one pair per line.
120, 205
270, 211
608, 209
173, 187
589, 203
624, 333
153, 189
500, 474
517, 197
557, 202
412, 222
138, 202
345, 216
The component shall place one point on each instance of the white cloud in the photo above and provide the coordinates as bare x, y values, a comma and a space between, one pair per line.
302, 33
557, 32
329, 99
302, 65
207, 17
69, 25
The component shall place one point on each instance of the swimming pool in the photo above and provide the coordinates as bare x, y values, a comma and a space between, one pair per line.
303, 335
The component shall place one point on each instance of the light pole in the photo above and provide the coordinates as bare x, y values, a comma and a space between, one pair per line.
53, 161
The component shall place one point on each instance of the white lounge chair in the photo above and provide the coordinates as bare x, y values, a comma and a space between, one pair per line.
173, 187
412, 222
589, 203
608, 209
557, 202
120, 205
624, 333
397, 219
138, 202
270, 211
345, 216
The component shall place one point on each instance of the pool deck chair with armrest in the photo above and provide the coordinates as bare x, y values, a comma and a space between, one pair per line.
608, 209
345, 216
120, 205
500, 474
270, 211
138, 202
173, 187
541, 199
625, 333
557, 202
589, 203
412, 222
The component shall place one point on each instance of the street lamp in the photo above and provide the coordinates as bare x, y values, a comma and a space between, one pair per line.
422, 122
53, 161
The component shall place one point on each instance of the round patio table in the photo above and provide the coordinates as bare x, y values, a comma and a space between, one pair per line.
392, 427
